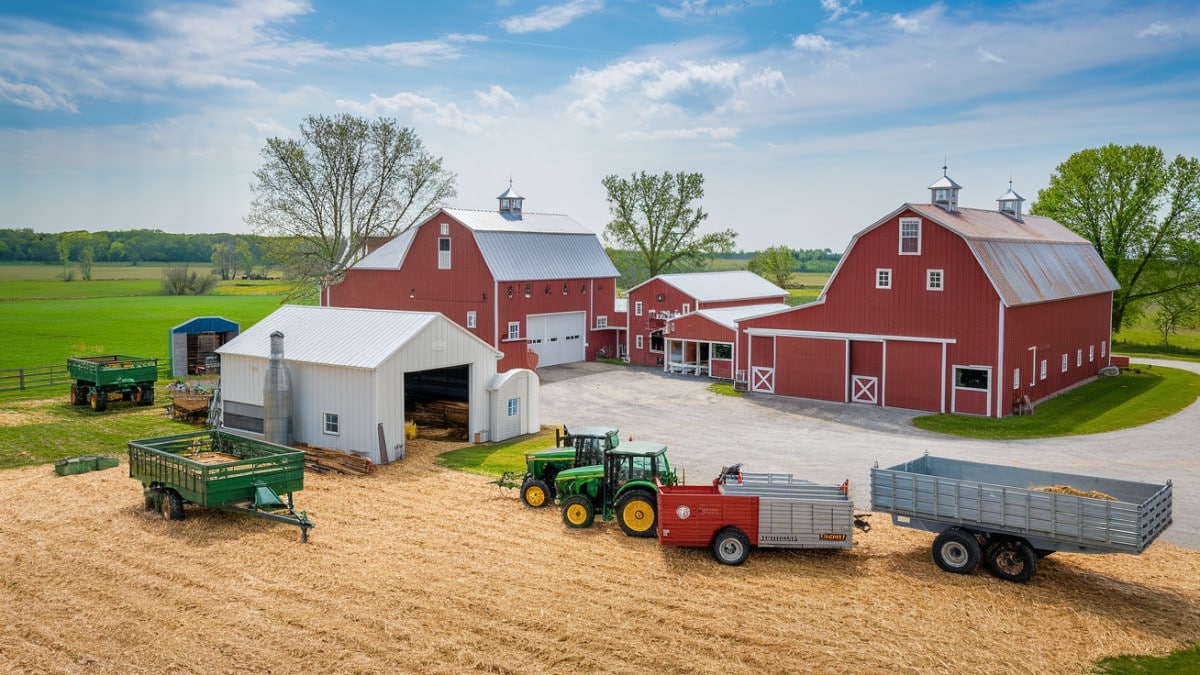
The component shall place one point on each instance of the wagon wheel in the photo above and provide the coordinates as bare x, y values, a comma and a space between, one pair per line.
78, 395
731, 546
148, 395
577, 511
171, 506
956, 551
637, 513
98, 400
152, 499
535, 493
137, 395
1011, 559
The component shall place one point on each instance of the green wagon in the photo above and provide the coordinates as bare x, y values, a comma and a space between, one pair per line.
220, 470
97, 379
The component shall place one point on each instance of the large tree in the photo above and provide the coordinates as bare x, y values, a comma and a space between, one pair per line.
654, 217
774, 264
1141, 212
343, 180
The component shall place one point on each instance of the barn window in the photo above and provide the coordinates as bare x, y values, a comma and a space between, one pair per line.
883, 278
529, 290
722, 350
471, 319
583, 289
547, 289
1016, 378
1043, 369
1091, 353
687, 307
510, 291
332, 424
1078, 357
444, 230
514, 406
565, 291
514, 330
656, 342
641, 344
933, 280
910, 236
971, 378
443, 253
602, 321
1103, 345
1064, 363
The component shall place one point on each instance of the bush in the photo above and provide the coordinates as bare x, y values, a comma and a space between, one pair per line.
182, 280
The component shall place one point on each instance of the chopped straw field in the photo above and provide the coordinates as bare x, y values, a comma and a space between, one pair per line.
422, 569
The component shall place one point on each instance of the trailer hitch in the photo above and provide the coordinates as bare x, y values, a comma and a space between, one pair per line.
509, 479
860, 521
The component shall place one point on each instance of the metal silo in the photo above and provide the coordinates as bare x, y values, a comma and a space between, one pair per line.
277, 396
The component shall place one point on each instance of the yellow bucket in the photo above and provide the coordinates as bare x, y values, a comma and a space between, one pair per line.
410, 429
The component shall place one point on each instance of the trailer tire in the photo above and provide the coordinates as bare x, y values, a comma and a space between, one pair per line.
730, 546
147, 395
637, 513
98, 400
577, 512
1010, 559
535, 493
957, 551
152, 500
171, 506
79, 395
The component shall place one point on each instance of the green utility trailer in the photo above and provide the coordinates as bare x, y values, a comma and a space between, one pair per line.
220, 470
98, 379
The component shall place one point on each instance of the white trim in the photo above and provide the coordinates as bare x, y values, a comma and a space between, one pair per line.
1033, 368
509, 333
444, 256
883, 278
929, 282
637, 308
987, 407
869, 386
337, 424
641, 343
831, 335
999, 355
1065, 358
472, 318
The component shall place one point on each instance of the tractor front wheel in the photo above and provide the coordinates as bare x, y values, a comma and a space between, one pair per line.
535, 493
577, 511
637, 513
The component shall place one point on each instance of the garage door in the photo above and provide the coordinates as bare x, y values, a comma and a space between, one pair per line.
557, 338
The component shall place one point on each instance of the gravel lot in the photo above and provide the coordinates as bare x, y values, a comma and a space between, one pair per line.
830, 442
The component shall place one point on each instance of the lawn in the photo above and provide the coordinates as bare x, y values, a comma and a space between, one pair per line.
1106, 404
493, 459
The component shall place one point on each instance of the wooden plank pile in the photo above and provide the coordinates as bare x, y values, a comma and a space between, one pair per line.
324, 460
451, 416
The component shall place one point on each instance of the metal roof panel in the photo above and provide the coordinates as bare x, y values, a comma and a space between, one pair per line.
518, 256
723, 286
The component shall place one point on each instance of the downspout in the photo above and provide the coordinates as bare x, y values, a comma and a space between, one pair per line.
1000, 362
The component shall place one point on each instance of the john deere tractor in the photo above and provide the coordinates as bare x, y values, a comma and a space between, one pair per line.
571, 448
624, 486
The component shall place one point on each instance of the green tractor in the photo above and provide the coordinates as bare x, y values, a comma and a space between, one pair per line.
579, 448
624, 486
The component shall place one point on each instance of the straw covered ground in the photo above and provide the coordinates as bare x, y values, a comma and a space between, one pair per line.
422, 569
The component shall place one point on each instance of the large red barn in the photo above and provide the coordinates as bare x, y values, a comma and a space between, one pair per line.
538, 287
946, 309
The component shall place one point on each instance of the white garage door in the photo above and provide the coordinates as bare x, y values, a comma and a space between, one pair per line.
557, 338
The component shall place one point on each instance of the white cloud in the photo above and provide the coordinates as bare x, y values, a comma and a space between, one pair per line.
701, 8
551, 17
695, 133
1157, 29
496, 98
812, 43
907, 24
33, 97
423, 110
838, 8
988, 57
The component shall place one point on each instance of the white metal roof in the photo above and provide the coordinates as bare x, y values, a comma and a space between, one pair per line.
729, 316
720, 286
479, 220
390, 255
517, 256
336, 336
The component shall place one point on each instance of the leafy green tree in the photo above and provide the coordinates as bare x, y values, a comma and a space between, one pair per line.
245, 256
80, 248
1180, 309
343, 180
654, 217
225, 260
1141, 212
774, 265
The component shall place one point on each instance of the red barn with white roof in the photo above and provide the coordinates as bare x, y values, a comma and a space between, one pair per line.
538, 287
945, 309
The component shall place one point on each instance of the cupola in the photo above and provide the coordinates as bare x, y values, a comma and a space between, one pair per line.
944, 192
511, 202
1010, 203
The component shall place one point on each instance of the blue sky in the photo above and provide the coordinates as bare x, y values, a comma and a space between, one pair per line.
809, 119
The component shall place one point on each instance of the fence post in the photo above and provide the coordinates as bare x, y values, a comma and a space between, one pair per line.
21, 387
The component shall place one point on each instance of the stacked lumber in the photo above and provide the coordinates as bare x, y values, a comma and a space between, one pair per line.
327, 459
441, 414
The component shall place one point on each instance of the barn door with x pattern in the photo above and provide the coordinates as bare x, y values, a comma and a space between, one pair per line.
762, 379
864, 389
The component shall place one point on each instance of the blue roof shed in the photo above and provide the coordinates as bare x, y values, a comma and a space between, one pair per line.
194, 341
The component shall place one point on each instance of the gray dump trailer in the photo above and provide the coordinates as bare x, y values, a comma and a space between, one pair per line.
1008, 517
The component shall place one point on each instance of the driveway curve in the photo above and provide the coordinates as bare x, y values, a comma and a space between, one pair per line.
830, 442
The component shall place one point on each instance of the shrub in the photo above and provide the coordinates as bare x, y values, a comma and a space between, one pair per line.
182, 280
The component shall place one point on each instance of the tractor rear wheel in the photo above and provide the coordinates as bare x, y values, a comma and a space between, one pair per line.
577, 511
535, 493
956, 551
1011, 560
731, 546
637, 513
172, 506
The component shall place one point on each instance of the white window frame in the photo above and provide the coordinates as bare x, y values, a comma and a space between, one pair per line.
472, 318
332, 424
1064, 362
1078, 357
1103, 346
883, 277
934, 280
1091, 353
444, 229
687, 307
984, 369
1016, 378
640, 342
916, 222
514, 330
1043, 369
637, 308
443, 254
514, 407
602, 321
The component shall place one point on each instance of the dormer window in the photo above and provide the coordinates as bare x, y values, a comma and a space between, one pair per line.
944, 192
910, 236
510, 201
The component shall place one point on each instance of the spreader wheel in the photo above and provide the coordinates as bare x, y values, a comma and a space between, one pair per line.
171, 507
577, 511
956, 551
637, 513
1011, 560
535, 493
731, 546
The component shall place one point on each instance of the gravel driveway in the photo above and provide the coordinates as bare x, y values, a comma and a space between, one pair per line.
830, 442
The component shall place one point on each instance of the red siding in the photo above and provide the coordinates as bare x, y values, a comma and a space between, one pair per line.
696, 327
672, 301
914, 376
811, 368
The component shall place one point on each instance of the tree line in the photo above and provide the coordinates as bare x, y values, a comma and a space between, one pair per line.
121, 246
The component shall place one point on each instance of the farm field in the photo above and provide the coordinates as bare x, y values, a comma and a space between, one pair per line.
419, 568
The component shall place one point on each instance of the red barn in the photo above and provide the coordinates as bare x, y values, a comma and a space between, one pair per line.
686, 322
538, 287
946, 309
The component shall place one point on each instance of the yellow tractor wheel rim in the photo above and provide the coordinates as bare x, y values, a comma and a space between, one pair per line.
638, 515
535, 496
576, 514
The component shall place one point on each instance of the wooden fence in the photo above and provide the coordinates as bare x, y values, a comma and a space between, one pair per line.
20, 379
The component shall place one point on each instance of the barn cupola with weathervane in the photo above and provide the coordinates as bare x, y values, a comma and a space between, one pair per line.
1010, 203
511, 202
944, 192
